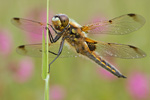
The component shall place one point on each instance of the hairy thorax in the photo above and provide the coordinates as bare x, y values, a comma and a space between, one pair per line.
77, 39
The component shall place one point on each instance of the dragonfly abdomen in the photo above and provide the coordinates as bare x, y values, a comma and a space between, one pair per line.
105, 64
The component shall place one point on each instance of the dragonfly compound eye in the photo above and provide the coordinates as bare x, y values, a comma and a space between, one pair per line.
64, 20
60, 21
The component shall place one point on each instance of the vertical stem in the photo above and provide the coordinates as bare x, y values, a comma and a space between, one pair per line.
47, 87
45, 64
45, 74
47, 30
48, 75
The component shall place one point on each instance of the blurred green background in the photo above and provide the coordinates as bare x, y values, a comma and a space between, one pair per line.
72, 78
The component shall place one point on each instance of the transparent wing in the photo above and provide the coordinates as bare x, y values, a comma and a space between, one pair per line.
35, 50
117, 26
29, 25
119, 50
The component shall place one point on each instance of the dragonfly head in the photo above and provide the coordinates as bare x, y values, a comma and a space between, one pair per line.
60, 21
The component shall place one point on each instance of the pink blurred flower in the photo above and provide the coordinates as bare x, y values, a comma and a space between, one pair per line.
36, 14
57, 92
103, 73
5, 42
24, 70
97, 21
39, 14
138, 86
97, 18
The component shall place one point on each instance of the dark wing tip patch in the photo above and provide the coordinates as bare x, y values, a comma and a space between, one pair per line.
131, 15
21, 50
135, 48
16, 18
16, 21
21, 47
138, 18
110, 21
138, 50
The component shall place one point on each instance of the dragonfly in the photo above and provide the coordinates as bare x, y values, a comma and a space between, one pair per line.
72, 34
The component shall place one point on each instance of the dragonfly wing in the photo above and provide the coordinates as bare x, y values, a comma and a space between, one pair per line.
35, 50
29, 25
117, 26
119, 50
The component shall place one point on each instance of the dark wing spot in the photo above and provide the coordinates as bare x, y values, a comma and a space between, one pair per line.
135, 48
136, 18
110, 21
22, 47
16, 19
140, 52
109, 43
131, 15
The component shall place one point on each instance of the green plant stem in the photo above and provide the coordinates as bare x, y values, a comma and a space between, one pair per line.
45, 74
47, 87
47, 31
48, 74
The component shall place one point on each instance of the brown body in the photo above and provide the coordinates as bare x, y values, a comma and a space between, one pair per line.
77, 39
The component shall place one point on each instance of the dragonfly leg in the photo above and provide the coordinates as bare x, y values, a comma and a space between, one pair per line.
59, 52
51, 52
53, 40
59, 33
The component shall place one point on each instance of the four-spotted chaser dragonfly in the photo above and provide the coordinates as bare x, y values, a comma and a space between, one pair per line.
76, 36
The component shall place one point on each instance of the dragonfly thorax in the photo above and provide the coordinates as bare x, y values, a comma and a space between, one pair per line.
60, 21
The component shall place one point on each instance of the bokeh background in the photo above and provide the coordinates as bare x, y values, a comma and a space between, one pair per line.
72, 78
